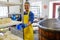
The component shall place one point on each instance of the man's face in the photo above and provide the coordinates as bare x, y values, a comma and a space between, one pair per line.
27, 7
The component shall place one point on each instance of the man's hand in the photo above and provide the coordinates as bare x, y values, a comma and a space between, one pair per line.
29, 23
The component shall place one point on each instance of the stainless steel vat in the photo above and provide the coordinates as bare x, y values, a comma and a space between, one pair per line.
49, 29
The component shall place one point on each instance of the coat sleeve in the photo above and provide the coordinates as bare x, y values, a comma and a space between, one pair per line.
31, 17
20, 18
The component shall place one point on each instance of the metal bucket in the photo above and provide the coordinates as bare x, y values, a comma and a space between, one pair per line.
49, 29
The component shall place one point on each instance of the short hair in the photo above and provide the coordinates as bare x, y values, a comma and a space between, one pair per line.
27, 3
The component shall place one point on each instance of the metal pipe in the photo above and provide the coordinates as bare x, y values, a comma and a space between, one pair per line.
22, 13
59, 13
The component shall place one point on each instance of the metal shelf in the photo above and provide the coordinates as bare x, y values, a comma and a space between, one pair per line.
2, 3
9, 24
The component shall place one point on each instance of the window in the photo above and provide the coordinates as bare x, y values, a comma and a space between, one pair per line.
36, 8
14, 9
3, 10
36, 11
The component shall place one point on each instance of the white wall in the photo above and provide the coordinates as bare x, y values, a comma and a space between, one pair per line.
51, 9
45, 12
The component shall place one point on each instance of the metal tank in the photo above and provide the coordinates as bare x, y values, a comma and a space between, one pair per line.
49, 29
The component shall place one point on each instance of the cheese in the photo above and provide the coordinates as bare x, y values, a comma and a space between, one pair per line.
0, 21
9, 36
5, 20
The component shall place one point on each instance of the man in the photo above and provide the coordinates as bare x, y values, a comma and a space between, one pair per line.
28, 20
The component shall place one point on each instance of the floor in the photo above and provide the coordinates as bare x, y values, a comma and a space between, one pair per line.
16, 32
36, 35
35, 28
